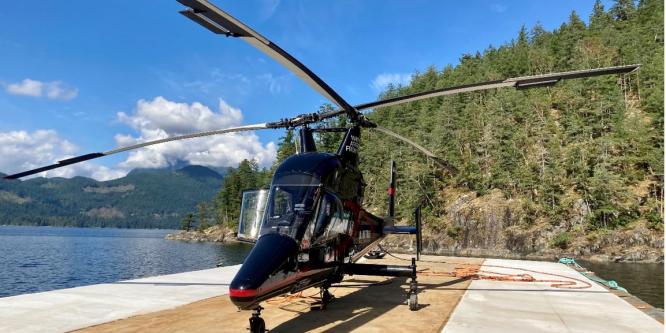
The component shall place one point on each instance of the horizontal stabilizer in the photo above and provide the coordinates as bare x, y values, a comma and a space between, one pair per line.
402, 229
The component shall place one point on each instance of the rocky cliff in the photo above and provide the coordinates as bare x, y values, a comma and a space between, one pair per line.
493, 225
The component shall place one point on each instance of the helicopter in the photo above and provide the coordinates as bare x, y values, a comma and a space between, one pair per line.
311, 228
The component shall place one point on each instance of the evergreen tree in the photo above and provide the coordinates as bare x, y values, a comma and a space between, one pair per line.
187, 221
622, 10
286, 147
247, 176
596, 140
599, 19
203, 216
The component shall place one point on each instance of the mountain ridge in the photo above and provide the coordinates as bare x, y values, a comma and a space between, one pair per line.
148, 198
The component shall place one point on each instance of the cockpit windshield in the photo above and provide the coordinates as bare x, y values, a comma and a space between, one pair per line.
291, 203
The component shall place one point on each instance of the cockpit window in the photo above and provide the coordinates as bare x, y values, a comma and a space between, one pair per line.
282, 203
291, 202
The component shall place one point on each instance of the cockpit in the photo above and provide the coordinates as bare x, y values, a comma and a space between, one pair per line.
291, 202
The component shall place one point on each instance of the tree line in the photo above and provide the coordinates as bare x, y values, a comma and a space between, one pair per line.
593, 144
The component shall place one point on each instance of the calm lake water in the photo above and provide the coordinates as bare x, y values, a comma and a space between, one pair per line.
34, 259
645, 281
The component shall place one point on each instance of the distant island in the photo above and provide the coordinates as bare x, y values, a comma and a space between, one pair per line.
145, 198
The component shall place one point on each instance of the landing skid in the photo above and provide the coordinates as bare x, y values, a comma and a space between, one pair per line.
390, 270
412, 296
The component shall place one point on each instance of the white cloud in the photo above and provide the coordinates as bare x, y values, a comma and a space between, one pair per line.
179, 118
51, 90
152, 119
22, 150
382, 81
26, 87
162, 118
59, 90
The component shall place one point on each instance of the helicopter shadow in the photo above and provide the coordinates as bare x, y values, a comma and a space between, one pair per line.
353, 310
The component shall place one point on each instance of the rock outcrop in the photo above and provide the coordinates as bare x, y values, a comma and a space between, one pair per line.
495, 226
215, 233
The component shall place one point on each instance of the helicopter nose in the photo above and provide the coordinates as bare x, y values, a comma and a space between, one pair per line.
270, 254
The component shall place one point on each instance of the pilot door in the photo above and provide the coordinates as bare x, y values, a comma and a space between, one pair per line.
253, 205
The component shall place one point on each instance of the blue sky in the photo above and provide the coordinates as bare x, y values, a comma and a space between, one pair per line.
90, 61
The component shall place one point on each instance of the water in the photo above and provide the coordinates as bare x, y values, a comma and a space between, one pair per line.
34, 259
645, 281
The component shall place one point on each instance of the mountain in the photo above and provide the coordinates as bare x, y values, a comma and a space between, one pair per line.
197, 171
145, 198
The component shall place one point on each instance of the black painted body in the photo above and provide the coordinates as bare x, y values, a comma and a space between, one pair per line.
312, 226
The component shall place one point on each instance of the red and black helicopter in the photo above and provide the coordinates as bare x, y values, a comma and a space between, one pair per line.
314, 229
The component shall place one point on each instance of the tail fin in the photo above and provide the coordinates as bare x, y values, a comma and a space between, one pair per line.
391, 192
349, 146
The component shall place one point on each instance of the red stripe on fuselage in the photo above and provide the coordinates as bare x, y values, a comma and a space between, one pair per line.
242, 292
269, 288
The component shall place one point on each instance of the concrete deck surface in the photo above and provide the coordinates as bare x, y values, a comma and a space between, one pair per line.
502, 306
197, 302
359, 307
70, 309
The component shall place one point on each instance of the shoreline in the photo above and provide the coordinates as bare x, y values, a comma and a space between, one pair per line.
219, 234
230, 237
75, 227
490, 254
214, 234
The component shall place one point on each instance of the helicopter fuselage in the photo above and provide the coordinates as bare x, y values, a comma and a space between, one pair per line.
313, 224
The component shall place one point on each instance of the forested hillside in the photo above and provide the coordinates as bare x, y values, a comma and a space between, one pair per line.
540, 167
598, 140
150, 198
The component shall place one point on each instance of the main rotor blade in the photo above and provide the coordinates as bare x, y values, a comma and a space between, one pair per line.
422, 149
91, 156
523, 82
220, 22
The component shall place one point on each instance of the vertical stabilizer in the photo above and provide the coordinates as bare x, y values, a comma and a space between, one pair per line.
350, 145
